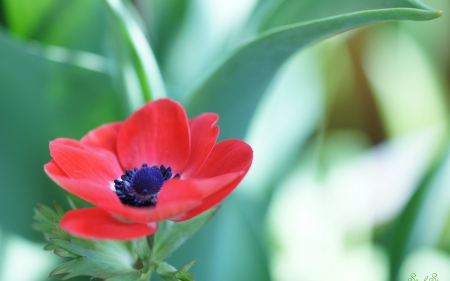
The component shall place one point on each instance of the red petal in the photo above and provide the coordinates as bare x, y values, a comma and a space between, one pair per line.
103, 137
80, 161
95, 223
204, 134
228, 156
210, 201
207, 187
53, 168
176, 197
156, 134
93, 192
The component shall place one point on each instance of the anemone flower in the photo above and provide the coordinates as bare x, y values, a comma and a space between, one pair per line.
156, 165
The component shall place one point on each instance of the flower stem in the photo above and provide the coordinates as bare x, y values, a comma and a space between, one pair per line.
150, 241
147, 276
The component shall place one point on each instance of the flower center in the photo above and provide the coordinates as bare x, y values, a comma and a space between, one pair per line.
140, 187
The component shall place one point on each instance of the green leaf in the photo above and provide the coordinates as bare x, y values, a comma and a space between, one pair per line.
64, 253
47, 212
170, 273
59, 210
165, 19
129, 276
63, 99
76, 202
184, 276
279, 13
46, 218
50, 247
235, 87
137, 62
171, 235
430, 198
183, 273
166, 271
58, 231
103, 261
70, 24
144, 253
112, 260
187, 266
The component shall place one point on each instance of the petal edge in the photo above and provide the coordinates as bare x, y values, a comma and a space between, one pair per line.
156, 134
204, 133
95, 223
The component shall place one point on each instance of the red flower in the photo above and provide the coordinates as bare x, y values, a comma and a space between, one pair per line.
156, 165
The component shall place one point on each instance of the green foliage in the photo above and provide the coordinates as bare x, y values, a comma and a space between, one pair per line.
117, 260
66, 24
76, 202
169, 273
136, 57
110, 260
144, 252
234, 89
291, 11
166, 18
407, 229
171, 235
45, 93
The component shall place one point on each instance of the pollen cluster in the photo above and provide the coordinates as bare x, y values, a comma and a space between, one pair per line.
140, 187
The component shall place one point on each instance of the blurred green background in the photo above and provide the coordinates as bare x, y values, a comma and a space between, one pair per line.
351, 171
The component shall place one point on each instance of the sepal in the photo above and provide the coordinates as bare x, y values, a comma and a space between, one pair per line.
170, 273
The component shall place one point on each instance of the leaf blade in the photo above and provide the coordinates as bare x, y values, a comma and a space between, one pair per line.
234, 89
143, 60
172, 235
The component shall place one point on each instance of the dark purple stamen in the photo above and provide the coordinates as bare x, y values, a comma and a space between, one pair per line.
140, 187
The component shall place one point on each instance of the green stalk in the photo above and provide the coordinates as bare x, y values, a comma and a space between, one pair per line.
143, 60
147, 276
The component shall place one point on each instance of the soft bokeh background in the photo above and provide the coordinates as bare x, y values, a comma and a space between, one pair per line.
351, 171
